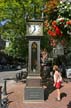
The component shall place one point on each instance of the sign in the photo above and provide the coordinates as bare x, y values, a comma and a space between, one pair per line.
34, 93
58, 50
54, 52
68, 73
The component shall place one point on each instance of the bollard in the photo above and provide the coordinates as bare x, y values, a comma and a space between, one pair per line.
4, 88
4, 103
18, 77
0, 95
4, 98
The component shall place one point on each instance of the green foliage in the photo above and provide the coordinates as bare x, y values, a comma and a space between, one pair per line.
45, 44
15, 30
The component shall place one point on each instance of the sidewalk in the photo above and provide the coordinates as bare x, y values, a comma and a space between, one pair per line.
16, 97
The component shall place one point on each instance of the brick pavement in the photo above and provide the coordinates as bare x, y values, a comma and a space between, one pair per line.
16, 97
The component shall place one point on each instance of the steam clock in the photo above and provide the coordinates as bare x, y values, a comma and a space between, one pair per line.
34, 90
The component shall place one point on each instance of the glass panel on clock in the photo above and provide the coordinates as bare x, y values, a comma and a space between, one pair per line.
34, 57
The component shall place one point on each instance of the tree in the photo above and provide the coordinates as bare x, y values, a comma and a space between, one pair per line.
51, 9
15, 31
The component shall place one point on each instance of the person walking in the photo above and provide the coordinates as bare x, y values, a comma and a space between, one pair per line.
57, 81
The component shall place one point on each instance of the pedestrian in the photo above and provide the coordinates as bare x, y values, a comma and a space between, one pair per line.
44, 60
57, 81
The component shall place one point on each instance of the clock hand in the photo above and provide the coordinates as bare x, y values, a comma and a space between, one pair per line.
34, 29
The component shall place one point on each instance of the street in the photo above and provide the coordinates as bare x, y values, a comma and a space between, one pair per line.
8, 74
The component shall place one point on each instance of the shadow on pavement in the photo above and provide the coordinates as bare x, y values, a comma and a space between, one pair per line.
50, 88
10, 93
69, 105
10, 102
63, 95
47, 91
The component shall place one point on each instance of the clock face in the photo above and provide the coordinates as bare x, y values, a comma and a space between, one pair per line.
35, 29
